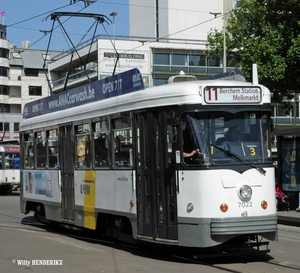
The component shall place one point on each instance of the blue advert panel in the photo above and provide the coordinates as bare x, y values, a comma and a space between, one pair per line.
123, 83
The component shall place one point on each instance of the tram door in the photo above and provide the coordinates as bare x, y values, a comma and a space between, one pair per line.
66, 147
155, 177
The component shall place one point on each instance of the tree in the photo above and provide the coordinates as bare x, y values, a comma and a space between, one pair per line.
265, 32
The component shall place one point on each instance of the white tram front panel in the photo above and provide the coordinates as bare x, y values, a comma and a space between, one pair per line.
207, 191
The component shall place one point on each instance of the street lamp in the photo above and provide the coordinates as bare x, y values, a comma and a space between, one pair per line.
295, 108
114, 14
224, 39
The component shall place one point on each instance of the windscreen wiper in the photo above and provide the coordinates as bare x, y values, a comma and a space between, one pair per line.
240, 159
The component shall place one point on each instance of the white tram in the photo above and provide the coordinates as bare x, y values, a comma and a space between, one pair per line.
109, 156
9, 167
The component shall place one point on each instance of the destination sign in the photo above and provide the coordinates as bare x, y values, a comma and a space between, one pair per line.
229, 94
123, 83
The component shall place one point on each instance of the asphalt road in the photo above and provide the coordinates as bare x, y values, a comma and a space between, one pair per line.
27, 246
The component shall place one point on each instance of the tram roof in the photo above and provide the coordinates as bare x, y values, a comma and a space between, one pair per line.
103, 100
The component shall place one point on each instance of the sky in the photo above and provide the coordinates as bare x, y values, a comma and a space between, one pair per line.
30, 20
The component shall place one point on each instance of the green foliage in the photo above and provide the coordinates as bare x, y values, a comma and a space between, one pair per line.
265, 32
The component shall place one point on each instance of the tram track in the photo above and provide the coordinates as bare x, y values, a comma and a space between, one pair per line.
22, 223
11, 216
237, 259
218, 261
27, 224
215, 261
277, 264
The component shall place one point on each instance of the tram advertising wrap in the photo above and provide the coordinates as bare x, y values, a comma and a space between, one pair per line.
186, 163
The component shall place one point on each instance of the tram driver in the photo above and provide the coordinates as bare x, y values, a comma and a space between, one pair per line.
187, 146
232, 136
196, 151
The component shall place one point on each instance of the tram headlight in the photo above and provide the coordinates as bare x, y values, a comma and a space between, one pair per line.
245, 192
190, 207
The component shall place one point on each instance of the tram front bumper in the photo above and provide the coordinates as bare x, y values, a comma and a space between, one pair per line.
209, 232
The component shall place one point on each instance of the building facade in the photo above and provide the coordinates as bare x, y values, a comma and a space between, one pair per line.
184, 20
22, 79
157, 61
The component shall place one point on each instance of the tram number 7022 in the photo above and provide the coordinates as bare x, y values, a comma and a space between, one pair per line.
245, 204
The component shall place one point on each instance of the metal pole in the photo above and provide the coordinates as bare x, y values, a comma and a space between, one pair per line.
114, 14
298, 101
114, 32
224, 39
295, 109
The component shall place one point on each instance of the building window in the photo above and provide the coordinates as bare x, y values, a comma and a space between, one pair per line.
3, 71
197, 60
4, 108
3, 34
161, 58
179, 59
31, 72
4, 53
35, 90
4, 90
4, 126
16, 126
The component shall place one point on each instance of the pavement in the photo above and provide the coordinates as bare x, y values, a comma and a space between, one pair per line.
290, 218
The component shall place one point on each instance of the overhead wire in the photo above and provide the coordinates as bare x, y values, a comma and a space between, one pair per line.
7, 60
19, 22
101, 2
167, 36
137, 47
134, 48
25, 92
34, 17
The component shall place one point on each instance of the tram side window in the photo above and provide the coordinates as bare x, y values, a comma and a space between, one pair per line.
40, 145
101, 143
2, 162
169, 144
83, 150
29, 151
52, 142
122, 133
195, 137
